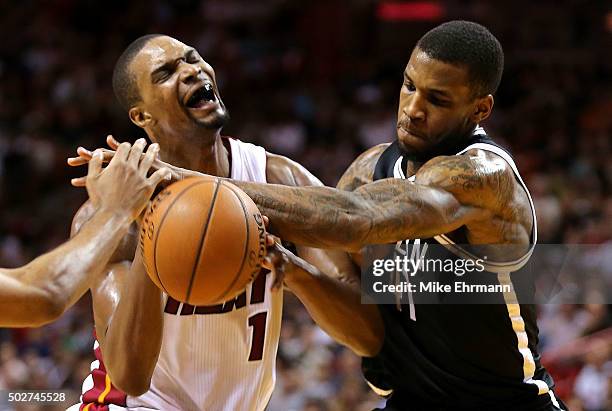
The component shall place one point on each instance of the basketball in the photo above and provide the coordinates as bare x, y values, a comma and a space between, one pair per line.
202, 240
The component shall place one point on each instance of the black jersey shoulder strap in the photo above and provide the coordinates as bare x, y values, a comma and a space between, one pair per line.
387, 160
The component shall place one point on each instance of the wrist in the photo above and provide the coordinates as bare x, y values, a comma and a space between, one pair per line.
117, 216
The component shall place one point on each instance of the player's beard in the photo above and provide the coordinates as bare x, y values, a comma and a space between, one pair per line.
217, 122
446, 144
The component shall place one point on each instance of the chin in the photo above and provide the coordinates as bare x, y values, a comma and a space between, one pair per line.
214, 122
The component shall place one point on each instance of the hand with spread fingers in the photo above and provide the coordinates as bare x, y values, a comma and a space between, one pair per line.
123, 186
84, 156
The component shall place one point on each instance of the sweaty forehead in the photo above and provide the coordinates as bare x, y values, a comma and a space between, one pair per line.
158, 51
427, 72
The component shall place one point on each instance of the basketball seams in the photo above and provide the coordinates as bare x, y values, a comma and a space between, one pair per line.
202, 238
161, 224
246, 243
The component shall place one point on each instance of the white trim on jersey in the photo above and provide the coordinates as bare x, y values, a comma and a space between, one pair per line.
398, 172
518, 325
553, 398
379, 391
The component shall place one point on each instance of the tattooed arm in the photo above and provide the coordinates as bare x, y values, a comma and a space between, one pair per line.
449, 192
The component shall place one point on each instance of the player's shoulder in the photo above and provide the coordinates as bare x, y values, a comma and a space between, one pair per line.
477, 173
373, 153
285, 171
361, 170
494, 168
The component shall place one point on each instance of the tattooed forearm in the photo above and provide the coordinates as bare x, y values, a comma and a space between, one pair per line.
312, 216
381, 212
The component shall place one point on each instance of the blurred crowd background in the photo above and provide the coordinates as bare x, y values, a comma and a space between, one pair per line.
318, 81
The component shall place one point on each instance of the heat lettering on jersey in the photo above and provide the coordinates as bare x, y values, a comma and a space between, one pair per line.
258, 294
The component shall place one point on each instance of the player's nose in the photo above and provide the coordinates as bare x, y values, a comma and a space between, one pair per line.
189, 72
414, 109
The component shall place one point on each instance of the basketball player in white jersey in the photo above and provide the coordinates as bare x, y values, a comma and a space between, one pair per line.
40, 291
166, 355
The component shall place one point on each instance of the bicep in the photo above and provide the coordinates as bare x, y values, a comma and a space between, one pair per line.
106, 295
282, 170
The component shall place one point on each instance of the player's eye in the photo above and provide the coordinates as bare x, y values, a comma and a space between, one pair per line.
437, 102
163, 75
410, 87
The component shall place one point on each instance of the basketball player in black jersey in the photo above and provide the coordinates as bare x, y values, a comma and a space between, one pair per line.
461, 187
465, 189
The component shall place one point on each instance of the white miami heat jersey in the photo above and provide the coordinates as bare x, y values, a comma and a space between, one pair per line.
212, 358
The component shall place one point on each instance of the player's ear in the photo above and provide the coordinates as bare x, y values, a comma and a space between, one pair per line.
140, 117
483, 108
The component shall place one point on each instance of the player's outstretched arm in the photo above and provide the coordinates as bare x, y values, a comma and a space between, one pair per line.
448, 192
42, 290
327, 281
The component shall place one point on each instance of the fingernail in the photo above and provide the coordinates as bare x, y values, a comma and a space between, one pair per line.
155, 146
140, 141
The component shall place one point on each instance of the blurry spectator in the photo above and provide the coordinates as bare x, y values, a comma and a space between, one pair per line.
593, 384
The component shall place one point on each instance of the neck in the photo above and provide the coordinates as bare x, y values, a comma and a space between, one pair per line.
205, 155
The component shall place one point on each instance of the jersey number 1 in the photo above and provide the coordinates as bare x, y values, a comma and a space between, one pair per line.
258, 322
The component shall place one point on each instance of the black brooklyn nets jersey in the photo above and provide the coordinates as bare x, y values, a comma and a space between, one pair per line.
449, 356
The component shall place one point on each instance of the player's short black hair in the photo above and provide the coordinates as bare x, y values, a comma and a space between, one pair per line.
124, 81
470, 45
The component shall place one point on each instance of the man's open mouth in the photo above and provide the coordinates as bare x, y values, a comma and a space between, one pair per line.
201, 96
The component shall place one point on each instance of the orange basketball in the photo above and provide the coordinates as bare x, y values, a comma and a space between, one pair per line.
202, 240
